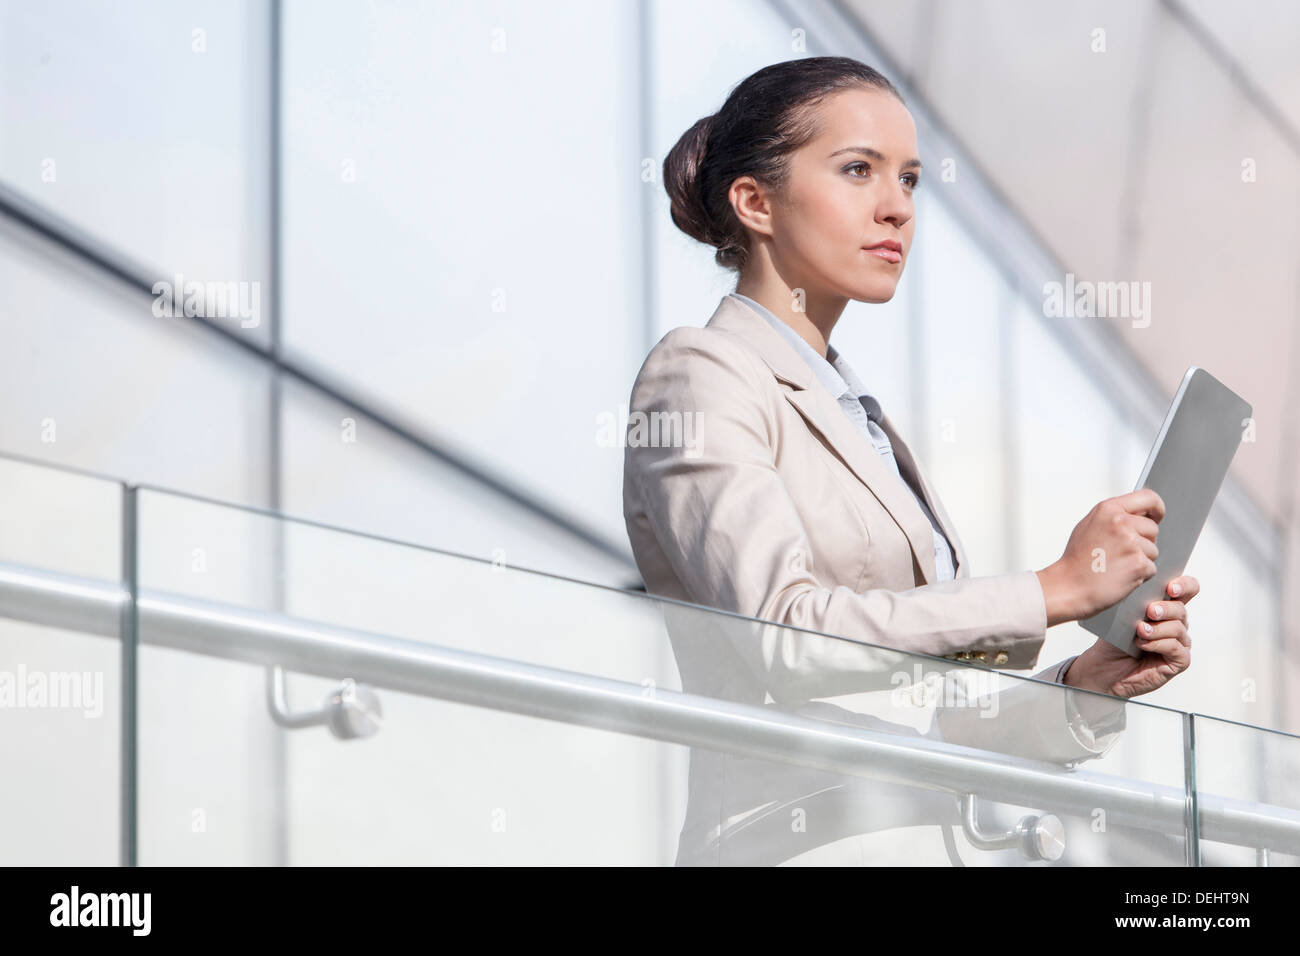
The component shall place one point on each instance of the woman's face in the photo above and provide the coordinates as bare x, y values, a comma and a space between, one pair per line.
850, 187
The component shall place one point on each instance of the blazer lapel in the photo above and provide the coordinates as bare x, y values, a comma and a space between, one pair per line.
911, 469
824, 415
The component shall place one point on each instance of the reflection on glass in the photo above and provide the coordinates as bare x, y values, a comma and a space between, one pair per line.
583, 724
437, 708
1248, 794
901, 741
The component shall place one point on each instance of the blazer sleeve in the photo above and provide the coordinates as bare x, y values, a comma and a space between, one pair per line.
727, 525
1035, 721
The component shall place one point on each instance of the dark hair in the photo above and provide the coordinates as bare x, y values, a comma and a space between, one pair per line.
767, 116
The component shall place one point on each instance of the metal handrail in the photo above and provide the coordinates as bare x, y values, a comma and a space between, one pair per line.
252, 636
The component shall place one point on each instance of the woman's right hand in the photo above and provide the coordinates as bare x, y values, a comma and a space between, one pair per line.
1110, 552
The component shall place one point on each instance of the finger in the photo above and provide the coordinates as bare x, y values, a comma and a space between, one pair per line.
1184, 588
1143, 501
1148, 547
1166, 611
1164, 631
1170, 648
1143, 526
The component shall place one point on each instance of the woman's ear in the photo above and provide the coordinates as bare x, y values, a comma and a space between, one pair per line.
751, 204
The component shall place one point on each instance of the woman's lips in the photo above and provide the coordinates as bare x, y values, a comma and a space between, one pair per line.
889, 255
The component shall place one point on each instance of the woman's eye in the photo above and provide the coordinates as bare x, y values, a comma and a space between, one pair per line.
912, 180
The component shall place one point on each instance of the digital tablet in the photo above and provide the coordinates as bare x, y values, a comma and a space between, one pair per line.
1186, 468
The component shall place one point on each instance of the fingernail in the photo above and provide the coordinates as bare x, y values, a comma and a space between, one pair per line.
1175, 590
1156, 611
1146, 628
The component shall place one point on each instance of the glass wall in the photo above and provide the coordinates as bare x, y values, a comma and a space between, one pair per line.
145, 124
1237, 768
436, 708
461, 227
93, 379
144, 135
440, 782
60, 686
475, 242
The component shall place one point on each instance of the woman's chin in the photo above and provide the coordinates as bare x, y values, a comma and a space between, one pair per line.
876, 293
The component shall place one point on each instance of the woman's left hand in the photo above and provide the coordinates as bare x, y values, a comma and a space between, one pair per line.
1164, 638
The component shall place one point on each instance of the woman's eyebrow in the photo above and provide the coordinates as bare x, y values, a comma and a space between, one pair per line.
874, 154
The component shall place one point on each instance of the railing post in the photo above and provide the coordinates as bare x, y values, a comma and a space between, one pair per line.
129, 633
1192, 821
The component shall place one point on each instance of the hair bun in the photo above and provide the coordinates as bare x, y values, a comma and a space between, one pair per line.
681, 172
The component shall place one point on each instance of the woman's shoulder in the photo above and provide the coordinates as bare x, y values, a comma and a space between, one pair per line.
691, 352
709, 371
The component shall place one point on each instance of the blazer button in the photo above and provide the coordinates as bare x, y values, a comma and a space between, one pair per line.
1001, 658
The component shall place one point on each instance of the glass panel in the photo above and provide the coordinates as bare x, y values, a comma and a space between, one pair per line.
1064, 436
330, 451
60, 686
99, 126
937, 738
700, 51
441, 782
92, 379
1233, 627
1249, 40
965, 371
1248, 794
1198, 120
1132, 445
477, 272
525, 718
1064, 429
975, 107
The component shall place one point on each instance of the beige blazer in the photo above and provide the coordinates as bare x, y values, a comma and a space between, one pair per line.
774, 506
747, 489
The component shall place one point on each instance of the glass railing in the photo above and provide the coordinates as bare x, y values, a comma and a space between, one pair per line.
61, 596
1247, 793
300, 694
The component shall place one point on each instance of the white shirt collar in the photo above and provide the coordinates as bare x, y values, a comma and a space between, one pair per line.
832, 371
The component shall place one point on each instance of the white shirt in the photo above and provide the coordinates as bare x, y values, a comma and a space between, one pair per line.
853, 397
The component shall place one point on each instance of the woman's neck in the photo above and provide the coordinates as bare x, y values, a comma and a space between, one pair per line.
812, 320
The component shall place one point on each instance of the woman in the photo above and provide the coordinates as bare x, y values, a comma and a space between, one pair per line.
797, 502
